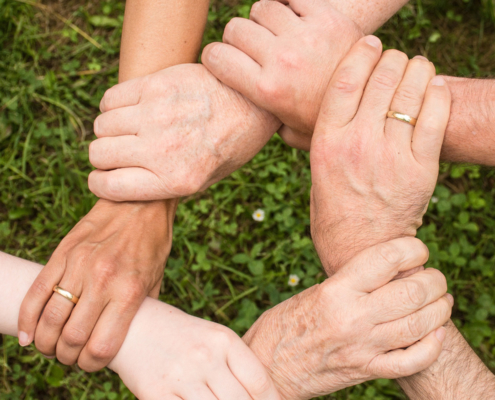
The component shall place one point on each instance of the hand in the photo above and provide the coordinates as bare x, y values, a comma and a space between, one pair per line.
171, 355
283, 58
172, 134
356, 326
112, 259
373, 176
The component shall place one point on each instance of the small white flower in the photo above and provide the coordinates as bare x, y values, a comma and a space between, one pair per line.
259, 215
293, 280
434, 199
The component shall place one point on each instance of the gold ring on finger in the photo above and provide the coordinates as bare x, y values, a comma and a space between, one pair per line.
64, 293
402, 117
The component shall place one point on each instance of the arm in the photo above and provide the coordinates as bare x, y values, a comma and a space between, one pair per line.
115, 256
470, 135
166, 353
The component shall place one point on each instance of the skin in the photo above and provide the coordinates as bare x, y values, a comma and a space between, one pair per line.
179, 131
313, 344
166, 353
254, 61
108, 238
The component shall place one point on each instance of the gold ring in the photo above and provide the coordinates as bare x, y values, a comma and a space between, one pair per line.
66, 294
402, 117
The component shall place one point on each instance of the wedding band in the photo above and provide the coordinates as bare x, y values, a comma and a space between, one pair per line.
402, 117
66, 294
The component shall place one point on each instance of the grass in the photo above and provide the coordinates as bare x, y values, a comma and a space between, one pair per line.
57, 60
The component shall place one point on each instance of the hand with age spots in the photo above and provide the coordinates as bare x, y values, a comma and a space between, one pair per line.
173, 133
358, 325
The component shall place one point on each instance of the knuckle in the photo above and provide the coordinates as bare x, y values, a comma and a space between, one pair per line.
390, 254
40, 288
385, 79
100, 350
74, 337
415, 293
261, 383
106, 271
289, 60
53, 315
345, 81
438, 278
409, 95
416, 326
269, 90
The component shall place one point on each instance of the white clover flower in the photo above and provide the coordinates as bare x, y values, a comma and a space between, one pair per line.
434, 199
293, 280
259, 215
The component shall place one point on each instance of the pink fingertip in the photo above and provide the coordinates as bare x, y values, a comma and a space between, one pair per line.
440, 333
373, 41
24, 339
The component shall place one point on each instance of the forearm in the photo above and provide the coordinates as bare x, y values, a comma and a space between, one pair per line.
470, 136
160, 33
457, 374
369, 15
17, 275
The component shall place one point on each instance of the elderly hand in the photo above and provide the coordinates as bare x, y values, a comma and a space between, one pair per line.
112, 259
172, 134
373, 176
356, 326
171, 355
283, 58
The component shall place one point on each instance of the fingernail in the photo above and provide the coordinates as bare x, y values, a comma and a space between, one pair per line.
421, 58
213, 53
440, 333
450, 298
373, 41
95, 128
438, 81
48, 357
23, 339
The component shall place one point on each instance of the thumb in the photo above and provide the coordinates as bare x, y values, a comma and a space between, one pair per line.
378, 265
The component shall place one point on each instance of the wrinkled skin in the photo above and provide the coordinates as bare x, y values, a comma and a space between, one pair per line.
354, 327
373, 176
172, 134
283, 58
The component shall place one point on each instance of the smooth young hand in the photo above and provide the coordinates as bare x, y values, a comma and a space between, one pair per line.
373, 176
112, 259
283, 58
358, 325
169, 355
172, 134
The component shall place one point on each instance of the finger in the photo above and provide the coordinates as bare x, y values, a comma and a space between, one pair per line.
234, 68
378, 265
407, 331
121, 121
122, 95
108, 334
225, 386
36, 298
155, 292
402, 297
117, 152
409, 99
432, 123
54, 317
250, 38
274, 16
295, 139
348, 83
419, 356
302, 7
77, 330
405, 274
380, 91
251, 373
127, 184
